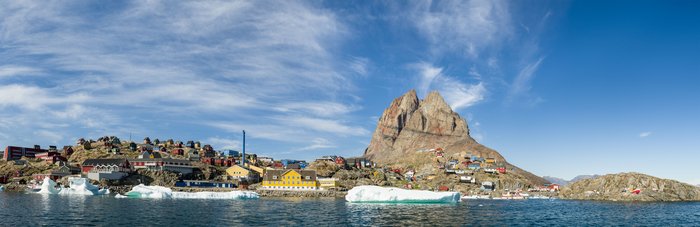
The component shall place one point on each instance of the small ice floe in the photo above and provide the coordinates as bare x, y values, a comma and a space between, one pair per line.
376, 194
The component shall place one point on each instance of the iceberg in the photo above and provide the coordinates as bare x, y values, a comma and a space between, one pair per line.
77, 186
159, 192
48, 187
81, 186
376, 194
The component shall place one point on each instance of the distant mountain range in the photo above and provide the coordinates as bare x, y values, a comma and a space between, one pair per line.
563, 182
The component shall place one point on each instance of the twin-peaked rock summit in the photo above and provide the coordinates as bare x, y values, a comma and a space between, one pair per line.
410, 126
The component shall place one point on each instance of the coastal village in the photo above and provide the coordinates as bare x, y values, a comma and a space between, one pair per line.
192, 166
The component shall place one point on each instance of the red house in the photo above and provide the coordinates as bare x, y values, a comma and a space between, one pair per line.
177, 151
50, 157
501, 169
15, 153
67, 151
553, 187
339, 160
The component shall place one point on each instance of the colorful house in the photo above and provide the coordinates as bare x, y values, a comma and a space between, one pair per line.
154, 161
14, 153
110, 169
240, 173
474, 166
291, 179
490, 160
501, 170
328, 183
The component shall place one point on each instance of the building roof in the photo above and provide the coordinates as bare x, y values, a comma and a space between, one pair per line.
105, 162
279, 172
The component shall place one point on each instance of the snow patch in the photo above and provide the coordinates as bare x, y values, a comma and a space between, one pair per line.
159, 192
376, 194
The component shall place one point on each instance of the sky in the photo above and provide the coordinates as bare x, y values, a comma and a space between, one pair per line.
560, 88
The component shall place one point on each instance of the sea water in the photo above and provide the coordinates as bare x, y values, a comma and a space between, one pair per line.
24, 209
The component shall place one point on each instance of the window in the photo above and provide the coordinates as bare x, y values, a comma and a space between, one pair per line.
274, 177
308, 177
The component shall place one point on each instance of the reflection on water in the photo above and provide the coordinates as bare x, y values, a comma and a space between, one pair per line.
33, 209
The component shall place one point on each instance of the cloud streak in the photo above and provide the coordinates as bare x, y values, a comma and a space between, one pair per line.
227, 60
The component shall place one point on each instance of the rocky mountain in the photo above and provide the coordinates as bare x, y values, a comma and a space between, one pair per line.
556, 180
409, 128
583, 177
630, 187
562, 182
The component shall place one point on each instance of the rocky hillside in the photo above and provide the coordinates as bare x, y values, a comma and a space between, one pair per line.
556, 180
562, 182
410, 127
583, 177
630, 187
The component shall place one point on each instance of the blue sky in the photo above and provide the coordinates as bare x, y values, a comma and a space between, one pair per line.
559, 88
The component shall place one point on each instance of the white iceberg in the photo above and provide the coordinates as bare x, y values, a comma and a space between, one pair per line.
81, 186
48, 187
77, 186
159, 192
376, 194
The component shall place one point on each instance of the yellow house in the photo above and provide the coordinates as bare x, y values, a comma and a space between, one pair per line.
328, 183
291, 179
240, 173
490, 160
259, 170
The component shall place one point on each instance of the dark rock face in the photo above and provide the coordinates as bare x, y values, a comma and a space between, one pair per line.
409, 127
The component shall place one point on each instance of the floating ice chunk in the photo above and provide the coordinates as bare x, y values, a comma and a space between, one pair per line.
159, 192
77, 186
376, 194
153, 192
81, 186
119, 196
48, 187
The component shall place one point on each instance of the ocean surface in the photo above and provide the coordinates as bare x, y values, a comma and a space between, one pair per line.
22, 209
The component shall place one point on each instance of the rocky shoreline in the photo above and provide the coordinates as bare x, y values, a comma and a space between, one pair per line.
301, 194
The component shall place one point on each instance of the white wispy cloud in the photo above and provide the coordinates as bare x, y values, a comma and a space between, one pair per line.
213, 58
16, 70
223, 143
317, 143
644, 134
522, 81
467, 26
458, 95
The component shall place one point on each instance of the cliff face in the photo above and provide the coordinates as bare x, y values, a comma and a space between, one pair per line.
621, 187
409, 127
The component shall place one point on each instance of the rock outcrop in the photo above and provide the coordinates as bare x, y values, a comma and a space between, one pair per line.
630, 187
410, 126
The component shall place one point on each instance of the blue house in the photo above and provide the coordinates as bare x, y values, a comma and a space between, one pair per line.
229, 153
